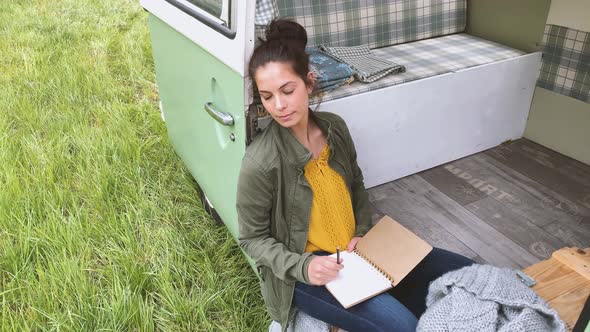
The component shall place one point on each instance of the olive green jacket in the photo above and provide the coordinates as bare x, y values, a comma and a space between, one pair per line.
274, 204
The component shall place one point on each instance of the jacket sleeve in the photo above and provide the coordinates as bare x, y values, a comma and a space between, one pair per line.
254, 207
360, 197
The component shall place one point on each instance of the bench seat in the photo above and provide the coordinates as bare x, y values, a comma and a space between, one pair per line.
430, 57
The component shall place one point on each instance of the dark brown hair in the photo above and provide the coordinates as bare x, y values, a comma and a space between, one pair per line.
285, 42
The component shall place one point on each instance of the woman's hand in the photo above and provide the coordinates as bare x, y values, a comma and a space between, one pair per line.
323, 269
352, 244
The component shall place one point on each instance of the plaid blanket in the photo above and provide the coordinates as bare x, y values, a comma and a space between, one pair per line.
367, 66
566, 62
430, 57
266, 11
374, 23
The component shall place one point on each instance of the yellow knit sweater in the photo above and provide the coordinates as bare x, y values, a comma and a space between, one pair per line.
331, 223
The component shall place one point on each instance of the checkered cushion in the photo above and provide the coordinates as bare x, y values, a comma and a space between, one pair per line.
266, 10
565, 67
375, 23
430, 57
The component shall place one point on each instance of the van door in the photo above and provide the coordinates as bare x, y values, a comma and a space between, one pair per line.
199, 48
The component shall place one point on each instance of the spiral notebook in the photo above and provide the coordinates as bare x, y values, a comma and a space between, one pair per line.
383, 257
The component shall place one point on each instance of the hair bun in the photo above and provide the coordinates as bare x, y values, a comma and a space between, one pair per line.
286, 31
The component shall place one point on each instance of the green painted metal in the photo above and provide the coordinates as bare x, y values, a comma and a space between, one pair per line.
188, 77
517, 24
520, 24
560, 123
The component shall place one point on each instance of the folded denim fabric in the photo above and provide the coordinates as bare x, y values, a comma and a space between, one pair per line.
331, 85
367, 66
329, 72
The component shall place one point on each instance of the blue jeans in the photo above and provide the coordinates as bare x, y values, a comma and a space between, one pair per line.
394, 310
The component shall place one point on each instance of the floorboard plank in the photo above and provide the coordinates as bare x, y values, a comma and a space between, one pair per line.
531, 196
396, 206
436, 236
524, 196
572, 236
519, 229
418, 201
526, 158
555, 213
456, 186
565, 165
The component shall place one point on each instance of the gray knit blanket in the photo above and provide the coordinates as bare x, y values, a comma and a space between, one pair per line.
485, 298
302, 322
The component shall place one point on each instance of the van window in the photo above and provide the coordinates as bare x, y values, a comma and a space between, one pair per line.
220, 9
213, 7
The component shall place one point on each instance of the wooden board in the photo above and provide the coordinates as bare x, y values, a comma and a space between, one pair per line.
572, 303
576, 259
561, 285
555, 280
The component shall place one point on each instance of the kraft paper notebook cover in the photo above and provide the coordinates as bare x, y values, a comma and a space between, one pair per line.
383, 257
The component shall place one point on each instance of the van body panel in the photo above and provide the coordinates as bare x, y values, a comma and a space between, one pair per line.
188, 78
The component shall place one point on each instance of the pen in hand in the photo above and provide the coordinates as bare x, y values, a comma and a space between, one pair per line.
338, 254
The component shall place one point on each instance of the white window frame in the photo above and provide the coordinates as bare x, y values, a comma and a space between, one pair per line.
233, 51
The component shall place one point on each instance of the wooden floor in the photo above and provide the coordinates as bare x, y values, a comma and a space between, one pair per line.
510, 206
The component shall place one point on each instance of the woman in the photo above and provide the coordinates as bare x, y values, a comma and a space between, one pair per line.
301, 195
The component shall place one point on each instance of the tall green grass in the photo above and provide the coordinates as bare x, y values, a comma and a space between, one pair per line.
100, 225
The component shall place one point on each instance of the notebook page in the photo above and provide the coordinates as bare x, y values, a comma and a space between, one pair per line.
357, 281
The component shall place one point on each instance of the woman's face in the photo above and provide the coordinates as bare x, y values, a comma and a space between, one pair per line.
284, 94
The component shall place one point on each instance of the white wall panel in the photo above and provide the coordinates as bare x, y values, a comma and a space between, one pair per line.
411, 127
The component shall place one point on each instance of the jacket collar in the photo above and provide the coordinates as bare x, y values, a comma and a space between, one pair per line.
292, 150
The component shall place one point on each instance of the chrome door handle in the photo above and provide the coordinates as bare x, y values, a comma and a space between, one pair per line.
224, 118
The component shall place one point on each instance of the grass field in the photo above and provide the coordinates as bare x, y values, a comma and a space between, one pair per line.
100, 225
